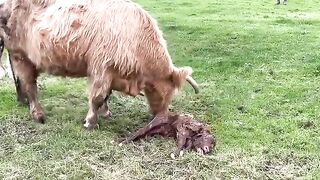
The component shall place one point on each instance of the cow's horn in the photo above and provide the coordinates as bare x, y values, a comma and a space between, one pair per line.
193, 83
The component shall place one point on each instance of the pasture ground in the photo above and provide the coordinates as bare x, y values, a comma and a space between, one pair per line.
258, 66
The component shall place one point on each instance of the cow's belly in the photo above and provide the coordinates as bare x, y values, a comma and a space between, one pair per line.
58, 71
63, 67
60, 58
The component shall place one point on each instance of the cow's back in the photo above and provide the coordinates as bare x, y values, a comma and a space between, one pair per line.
79, 36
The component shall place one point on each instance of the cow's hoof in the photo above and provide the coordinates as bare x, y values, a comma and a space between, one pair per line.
22, 100
39, 117
90, 126
106, 115
2, 72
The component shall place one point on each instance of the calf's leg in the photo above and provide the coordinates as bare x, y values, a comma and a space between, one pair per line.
158, 102
160, 119
27, 74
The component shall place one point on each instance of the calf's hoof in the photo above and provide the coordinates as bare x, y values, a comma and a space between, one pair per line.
39, 117
124, 141
176, 154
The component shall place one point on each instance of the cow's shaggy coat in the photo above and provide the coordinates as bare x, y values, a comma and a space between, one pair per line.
115, 43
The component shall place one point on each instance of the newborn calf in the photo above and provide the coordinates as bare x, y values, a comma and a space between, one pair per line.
189, 133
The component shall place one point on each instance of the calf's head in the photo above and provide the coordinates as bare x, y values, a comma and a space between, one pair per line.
204, 142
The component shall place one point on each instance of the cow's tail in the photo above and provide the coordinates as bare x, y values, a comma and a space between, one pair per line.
180, 75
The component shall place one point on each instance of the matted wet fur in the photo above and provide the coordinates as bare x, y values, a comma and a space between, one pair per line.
189, 133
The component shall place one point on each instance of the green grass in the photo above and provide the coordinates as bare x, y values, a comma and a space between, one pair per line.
259, 71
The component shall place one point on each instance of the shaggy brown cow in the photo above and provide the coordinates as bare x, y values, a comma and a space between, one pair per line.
115, 43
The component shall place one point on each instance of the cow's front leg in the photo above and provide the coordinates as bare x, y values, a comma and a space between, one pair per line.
98, 92
104, 109
2, 71
28, 74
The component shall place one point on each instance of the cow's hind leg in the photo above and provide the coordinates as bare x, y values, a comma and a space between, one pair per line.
99, 90
2, 70
21, 96
27, 74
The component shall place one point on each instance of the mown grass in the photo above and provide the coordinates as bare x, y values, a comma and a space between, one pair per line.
259, 71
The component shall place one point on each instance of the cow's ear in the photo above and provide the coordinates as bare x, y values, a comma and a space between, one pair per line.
2, 3
19, 3
180, 75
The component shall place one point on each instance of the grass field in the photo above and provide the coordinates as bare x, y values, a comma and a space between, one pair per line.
258, 66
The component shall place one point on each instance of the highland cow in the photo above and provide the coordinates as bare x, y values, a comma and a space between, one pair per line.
115, 43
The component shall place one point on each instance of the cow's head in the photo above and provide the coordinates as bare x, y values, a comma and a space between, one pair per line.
5, 11
160, 92
4, 16
16, 9
11, 11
